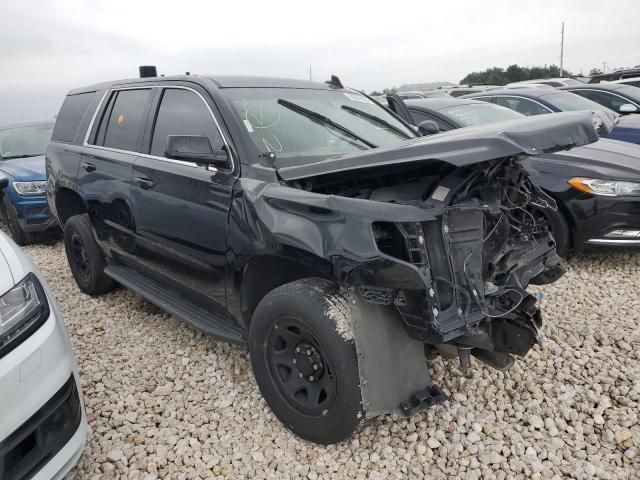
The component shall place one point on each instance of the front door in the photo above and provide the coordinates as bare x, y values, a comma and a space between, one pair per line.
180, 208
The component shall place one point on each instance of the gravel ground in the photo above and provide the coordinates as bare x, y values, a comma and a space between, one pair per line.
164, 401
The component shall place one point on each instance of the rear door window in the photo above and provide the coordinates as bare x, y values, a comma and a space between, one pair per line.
609, 100
183, 112
71, 114
522, 105
124, 119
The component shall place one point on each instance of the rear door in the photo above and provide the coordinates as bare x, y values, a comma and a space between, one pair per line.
104, 176
180, 208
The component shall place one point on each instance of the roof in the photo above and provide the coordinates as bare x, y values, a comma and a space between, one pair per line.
515, 92
42, 123
611, 87
220, 81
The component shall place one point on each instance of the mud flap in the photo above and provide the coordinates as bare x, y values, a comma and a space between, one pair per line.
392, 366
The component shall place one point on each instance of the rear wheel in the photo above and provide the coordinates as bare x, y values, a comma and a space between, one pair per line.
19, 236
85, 257
304, 360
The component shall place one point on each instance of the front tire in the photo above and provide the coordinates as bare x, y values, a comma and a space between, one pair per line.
19, 236
554, 221
304, 360
85, 257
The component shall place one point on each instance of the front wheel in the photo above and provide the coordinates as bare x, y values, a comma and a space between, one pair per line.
19, 236
304, 360
554, 222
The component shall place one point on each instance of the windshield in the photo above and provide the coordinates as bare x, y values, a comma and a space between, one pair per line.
568, 102
479, 114
629, 91
296, 123
24, 142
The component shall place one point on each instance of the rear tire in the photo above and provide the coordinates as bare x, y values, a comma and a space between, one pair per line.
19, 236
304, 360
85, 257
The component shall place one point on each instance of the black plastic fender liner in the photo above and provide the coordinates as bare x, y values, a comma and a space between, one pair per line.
392, 365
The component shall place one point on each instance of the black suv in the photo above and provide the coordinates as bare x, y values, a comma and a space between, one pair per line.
309, 222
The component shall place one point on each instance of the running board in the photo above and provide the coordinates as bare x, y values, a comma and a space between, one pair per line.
177, 304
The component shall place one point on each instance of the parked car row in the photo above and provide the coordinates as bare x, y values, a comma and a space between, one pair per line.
306, 221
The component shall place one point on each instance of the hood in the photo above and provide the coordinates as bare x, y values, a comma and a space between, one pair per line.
466, 146
610, 157
629, 121
24, 169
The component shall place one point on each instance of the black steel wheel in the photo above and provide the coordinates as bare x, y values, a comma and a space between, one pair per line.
85, 257
306, 370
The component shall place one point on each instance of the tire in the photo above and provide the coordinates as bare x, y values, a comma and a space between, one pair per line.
558, 226
85, 257
19, 236
295, 327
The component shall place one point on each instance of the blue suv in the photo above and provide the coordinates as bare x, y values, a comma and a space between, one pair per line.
23, 203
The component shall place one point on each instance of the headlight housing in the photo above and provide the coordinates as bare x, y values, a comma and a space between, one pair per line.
30, 188
23, 309
608, 188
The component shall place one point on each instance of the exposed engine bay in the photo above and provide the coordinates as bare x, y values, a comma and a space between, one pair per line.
477, 256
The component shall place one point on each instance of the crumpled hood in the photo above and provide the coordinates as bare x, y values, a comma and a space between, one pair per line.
466, 146
24, 169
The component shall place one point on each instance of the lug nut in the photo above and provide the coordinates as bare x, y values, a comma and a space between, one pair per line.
300, 375
308, 353
311, 378
315, 366
297, 349
294, 361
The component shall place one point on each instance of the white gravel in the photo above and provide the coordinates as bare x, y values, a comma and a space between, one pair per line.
164, 401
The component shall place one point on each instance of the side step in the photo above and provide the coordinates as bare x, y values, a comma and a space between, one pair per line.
177, 304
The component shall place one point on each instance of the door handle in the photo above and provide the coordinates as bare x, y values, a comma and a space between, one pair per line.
144, 183
89, 167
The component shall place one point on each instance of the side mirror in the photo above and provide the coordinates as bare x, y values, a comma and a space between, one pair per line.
628, 108
428, 127
194, 148
4, 182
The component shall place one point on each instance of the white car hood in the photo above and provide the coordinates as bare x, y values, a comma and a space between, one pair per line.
13, 263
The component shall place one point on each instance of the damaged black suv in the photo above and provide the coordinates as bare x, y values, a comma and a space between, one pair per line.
310, 223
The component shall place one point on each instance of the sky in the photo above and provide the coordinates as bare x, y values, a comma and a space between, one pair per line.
49, 47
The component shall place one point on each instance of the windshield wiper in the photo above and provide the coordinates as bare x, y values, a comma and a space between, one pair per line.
378, 120
318, 117
24, 155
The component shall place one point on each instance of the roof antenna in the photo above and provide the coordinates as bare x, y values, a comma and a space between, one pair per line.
334, 82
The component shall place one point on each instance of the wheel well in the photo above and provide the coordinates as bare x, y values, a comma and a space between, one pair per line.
266, 273
68, 204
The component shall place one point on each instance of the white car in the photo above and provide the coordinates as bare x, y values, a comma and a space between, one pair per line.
633, 81
43, 425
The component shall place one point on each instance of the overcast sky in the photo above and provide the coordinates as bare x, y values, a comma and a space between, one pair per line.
48, 47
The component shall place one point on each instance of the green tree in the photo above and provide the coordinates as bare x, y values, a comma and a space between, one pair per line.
513, 73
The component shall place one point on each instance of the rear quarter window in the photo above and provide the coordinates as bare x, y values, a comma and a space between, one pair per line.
71, 114
124, 119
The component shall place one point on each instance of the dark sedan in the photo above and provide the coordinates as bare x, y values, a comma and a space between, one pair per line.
596, 187
535, 101
624, 99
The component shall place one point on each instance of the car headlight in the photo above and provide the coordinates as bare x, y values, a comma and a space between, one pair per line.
609, 188
30, 188
22, 310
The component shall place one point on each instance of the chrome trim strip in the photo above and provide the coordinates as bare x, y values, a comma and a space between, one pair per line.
613, 241
153, 157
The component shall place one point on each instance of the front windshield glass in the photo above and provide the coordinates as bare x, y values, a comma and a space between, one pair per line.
568, 102
479, 114
296, 123
24, 142
629, 91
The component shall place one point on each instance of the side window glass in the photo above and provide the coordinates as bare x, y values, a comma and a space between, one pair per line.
124, 119
71, 114
521, 105
183, 112
420, 116
610, 101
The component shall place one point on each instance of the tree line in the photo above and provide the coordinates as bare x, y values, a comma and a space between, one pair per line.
513, 73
